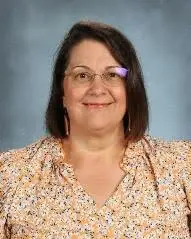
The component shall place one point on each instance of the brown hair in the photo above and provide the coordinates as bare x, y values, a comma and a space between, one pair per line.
137, 116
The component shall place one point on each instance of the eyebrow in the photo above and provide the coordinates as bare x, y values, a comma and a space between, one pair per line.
87, 67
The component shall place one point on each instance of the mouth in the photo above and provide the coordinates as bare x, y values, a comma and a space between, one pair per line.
97, 105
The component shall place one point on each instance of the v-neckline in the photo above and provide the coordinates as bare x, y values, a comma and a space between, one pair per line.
86, 201
98, 206
128, 163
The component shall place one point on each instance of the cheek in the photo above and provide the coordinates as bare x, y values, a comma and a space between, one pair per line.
72, 96
68, 94
121, 96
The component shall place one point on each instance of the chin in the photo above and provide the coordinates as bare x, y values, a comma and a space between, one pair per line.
97, 127
102, 127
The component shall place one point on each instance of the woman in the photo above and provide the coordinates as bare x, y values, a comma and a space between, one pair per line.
97, 174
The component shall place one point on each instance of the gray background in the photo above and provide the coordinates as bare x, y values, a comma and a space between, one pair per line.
30, 32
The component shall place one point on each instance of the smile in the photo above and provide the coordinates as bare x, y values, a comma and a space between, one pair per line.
97, 105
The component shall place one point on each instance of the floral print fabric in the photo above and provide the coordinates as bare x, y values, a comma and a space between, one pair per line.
40, 196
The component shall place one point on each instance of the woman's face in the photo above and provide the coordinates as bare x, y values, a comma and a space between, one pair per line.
95, 106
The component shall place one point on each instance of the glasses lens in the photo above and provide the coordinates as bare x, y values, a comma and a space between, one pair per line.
81, 76
115, 75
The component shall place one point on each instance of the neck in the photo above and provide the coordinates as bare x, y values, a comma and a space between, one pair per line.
96, 149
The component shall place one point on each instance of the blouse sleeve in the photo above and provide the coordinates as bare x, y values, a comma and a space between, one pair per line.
187, 174
182, 152
187, 180
10, 175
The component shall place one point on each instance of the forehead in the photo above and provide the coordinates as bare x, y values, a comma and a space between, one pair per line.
92, 53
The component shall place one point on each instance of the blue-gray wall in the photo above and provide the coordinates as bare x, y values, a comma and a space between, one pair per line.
30, 32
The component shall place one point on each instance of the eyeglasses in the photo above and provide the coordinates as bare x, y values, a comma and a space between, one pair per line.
83, 76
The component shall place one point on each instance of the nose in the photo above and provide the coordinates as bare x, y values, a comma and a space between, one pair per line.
97, 85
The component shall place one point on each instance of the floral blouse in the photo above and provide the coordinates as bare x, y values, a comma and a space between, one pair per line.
40, 196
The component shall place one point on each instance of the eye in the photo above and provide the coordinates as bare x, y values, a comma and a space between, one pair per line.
117, 73
82, 76
112, 74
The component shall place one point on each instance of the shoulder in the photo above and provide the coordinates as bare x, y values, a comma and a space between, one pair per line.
16, 163
174, 155
177, 149
171, 162
20, 155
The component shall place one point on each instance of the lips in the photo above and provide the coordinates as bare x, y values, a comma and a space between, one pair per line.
96, 105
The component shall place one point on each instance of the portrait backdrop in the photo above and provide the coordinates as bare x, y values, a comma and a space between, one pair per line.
30, 32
